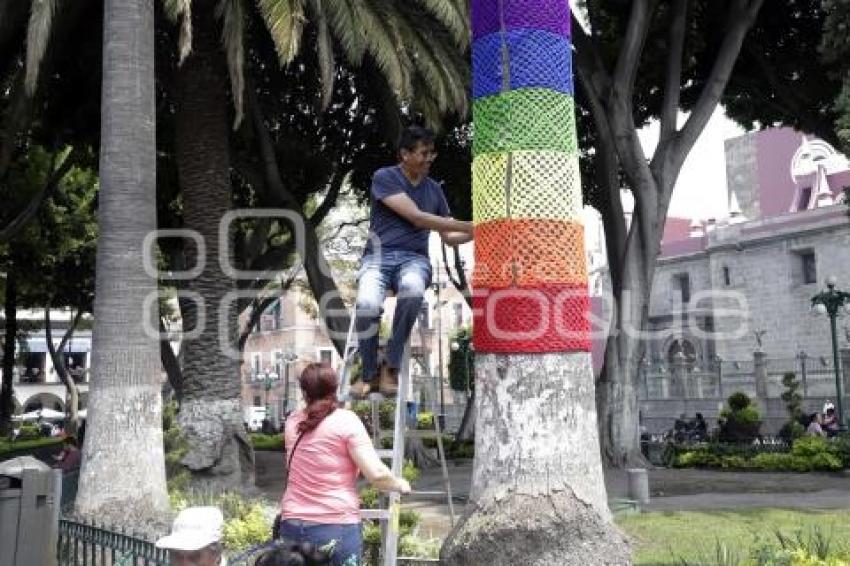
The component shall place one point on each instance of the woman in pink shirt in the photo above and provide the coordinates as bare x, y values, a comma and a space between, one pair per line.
326, 449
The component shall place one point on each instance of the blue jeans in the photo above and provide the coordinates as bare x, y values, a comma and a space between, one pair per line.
408, 275
348, 549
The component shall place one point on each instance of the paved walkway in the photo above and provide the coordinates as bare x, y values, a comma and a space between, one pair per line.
670, 489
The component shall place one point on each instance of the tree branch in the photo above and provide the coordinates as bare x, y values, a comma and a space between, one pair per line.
53, 178
673, 85
740, 21
337, 178
589, 65
631, 50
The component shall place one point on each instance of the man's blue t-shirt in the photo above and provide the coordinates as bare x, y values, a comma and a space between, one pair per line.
394, 232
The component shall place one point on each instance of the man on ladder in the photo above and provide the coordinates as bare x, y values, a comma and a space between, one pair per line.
406, 205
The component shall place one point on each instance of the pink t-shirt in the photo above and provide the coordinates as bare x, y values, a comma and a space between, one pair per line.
323, 476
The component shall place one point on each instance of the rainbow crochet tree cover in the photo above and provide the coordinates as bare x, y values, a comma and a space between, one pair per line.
530, 273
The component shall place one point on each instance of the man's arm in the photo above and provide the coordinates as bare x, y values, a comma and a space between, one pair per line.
404, 206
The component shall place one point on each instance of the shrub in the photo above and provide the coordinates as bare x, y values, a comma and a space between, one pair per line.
28, 431
246, 522
425, 420
738, 401
368, 498
7, 447
410, 472
271, 442
740, 421
247, 530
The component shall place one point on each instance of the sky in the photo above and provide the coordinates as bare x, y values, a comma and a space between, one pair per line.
701, 190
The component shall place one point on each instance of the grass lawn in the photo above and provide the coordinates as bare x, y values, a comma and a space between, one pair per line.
668, 538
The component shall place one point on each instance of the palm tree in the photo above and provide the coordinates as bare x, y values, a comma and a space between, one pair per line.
538, 492
409, 44
123, 466
418, 49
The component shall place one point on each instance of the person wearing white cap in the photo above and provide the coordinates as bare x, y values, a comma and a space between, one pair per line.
195, 538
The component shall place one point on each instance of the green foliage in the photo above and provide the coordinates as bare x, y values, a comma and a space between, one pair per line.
808, 453
738, 401
7, 447
740, 420
425, 420
29, 431
368, 498
174, 446
791, 396
247, 530
246, 522
756, 537
270, 442
410, 472
461, 361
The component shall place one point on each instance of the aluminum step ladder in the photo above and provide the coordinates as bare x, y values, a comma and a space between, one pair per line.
390, 512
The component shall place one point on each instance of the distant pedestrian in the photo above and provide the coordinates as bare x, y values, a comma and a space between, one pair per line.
814, 428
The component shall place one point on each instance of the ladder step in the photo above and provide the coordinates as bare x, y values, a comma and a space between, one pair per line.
427, 494
379, 514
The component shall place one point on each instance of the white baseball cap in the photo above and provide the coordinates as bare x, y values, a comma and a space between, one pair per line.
193, 529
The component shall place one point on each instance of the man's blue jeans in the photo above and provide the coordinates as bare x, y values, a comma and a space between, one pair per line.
408, 275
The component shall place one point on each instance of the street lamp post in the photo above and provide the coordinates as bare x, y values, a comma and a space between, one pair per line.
829, 302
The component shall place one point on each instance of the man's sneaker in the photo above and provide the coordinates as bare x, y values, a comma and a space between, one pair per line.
388, 381
360, 389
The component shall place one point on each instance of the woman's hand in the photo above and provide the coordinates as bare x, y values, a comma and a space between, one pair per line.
403, 485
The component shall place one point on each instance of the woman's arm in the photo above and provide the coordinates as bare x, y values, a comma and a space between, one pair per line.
375, 471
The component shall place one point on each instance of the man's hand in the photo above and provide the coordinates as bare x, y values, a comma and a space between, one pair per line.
456, 238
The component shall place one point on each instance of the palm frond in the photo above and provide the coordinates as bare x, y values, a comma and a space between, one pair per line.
327, 64
454, 15
285, 22
347, 29
232, 33
383, 42
38, 36
181, 11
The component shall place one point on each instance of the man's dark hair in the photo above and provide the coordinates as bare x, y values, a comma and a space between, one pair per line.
413, 135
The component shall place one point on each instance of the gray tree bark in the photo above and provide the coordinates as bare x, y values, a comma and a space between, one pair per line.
538, 493
122, 479
10, 307
220, 456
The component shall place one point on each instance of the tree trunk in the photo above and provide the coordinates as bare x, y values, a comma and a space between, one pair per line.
466, 430
219, 456
10, 307
73, 404
122, 479
617, 389
537, 482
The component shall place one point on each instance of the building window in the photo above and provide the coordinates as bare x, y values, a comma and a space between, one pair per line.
326, 356
808, 265
727, 276
255, 365
257, 401
683, 287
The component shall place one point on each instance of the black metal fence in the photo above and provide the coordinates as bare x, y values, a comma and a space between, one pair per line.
90, 545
